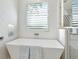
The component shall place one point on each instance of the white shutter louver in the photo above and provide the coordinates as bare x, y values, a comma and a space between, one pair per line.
37, 16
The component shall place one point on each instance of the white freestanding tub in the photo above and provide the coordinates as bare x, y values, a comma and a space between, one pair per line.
35, 49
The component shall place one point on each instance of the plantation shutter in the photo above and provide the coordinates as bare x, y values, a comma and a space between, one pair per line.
75, 13
37, 16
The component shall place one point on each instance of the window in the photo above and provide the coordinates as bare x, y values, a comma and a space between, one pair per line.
37, 16
74, 16
75, 13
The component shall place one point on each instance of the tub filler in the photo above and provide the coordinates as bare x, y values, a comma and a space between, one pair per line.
34, 49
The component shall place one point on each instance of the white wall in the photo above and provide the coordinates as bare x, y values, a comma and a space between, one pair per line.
53, 21
8, 15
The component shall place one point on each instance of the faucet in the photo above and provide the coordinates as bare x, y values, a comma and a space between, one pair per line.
36, 35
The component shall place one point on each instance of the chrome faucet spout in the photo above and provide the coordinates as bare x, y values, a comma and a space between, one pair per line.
36, 35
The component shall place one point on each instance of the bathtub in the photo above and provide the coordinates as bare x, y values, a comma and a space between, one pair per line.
35, 49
